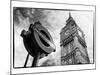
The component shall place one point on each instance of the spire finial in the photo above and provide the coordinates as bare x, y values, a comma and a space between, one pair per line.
69, 14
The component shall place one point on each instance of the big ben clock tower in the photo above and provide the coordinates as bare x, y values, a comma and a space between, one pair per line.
73, 44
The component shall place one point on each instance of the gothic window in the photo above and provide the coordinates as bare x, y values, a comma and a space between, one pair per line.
80, 33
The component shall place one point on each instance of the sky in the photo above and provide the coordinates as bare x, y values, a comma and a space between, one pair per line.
53, 21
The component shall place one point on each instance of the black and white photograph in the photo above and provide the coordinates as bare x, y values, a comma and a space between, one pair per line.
44, 37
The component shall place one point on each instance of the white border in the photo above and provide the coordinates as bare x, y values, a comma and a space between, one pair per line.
51, 6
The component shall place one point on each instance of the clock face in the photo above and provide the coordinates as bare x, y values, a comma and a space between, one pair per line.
67, 32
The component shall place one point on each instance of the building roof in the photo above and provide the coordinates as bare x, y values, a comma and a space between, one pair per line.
69, 22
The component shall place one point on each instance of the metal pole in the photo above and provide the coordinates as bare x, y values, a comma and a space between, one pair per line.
26, 60
35, 60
